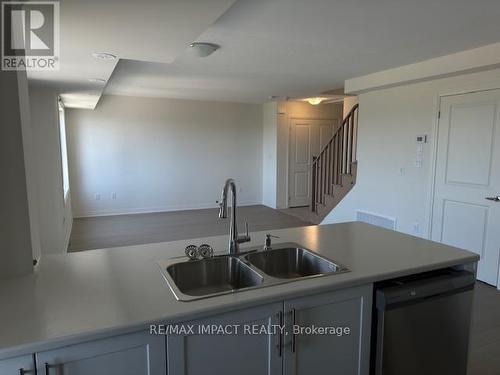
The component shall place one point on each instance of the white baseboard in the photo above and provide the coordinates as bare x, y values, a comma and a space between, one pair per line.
147, 210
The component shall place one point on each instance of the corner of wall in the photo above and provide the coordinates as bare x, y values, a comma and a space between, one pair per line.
51, 210
269, 140
17, 217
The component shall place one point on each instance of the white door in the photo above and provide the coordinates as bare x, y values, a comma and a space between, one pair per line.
307, 138
467, 173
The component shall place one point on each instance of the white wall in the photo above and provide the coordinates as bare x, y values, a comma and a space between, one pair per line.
162, 154
54, 215
389, 120
31, 166
16, 227
269, 148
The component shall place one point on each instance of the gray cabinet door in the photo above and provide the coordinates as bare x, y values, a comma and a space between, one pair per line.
240, 353
133, 354
16, 365
346, 354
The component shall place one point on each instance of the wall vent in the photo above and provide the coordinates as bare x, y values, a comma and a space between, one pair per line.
376, 219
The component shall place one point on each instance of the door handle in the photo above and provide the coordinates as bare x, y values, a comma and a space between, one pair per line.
494, 199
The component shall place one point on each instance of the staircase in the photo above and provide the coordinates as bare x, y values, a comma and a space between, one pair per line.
334, 169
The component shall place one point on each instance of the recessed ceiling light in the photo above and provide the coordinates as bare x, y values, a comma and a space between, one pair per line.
97, 80
203, 49
104, 56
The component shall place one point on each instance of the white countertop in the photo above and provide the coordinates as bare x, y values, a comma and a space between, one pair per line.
81, 296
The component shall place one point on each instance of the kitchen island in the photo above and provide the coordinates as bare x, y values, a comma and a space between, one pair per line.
86, 308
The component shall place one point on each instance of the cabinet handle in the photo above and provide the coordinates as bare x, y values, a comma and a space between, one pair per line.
294, 339
280, 336
494, 199
22, 371
57, 366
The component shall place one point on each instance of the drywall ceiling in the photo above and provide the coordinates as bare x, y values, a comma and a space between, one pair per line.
301, 48
147, 30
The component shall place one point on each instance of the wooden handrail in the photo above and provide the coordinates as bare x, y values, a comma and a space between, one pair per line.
349, 115
335, 158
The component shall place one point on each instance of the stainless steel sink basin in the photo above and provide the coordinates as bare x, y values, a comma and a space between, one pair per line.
207, 277
292, 263
255, 268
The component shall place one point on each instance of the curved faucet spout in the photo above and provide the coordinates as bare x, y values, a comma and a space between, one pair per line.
234, 238
223, 198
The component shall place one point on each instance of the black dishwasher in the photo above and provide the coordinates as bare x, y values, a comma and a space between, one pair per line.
421, 324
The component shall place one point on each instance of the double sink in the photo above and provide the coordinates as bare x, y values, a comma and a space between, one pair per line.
224, 274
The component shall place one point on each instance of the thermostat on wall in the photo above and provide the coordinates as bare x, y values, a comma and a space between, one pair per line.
422, 138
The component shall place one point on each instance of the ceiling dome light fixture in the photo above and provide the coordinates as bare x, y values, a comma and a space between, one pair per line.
201, 49
104, 56
315, 101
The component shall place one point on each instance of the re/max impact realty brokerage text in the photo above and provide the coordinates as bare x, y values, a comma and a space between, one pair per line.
247, 329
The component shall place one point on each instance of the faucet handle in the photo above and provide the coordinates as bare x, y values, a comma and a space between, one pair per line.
222, 209
246, 237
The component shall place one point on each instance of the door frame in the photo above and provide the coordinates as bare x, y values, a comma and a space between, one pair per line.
466, 89
289, 146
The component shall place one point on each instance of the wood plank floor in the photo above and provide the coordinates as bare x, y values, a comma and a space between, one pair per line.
301, 213
485, 335
123, 230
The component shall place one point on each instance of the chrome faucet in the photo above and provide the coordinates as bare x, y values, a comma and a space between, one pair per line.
234, 238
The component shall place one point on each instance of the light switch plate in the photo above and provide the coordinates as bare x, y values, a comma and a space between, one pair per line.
422, 138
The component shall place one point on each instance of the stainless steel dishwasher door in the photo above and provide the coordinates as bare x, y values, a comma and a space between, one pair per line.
424, 335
